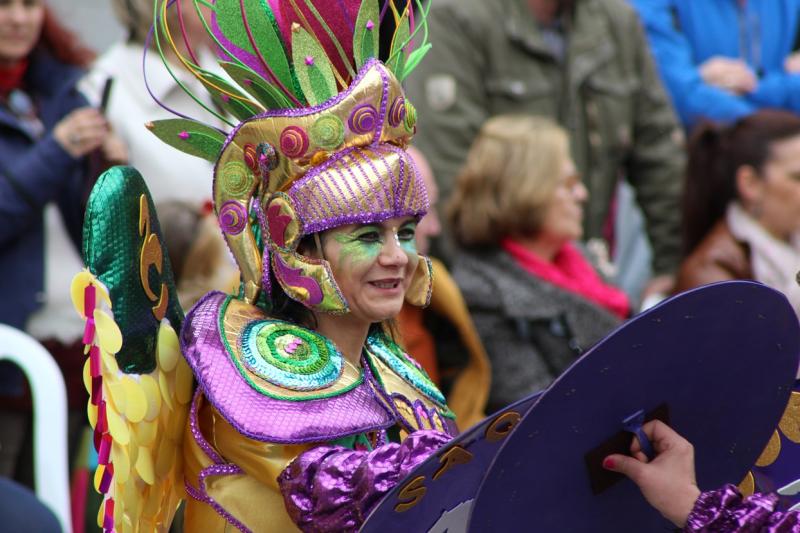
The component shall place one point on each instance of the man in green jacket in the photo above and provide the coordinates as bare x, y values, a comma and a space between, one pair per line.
583, 63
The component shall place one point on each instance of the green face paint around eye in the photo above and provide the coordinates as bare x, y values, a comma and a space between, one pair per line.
356, 246
406, 238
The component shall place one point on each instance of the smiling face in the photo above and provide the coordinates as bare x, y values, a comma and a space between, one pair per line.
20, 28
373, 265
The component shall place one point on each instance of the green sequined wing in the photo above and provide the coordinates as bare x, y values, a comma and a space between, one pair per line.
123, 248
139, 383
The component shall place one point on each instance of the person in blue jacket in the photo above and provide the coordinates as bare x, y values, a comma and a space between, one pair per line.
47, 131
724, 59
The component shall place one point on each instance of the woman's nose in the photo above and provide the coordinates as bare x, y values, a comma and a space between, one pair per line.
392, 253
19, 14
580, 192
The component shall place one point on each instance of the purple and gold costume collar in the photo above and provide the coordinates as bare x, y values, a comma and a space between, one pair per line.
278, 382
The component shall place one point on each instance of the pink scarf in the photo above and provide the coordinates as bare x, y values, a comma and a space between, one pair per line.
572, 272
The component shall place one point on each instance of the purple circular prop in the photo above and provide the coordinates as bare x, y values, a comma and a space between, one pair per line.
363, 119
718, 363
232, 217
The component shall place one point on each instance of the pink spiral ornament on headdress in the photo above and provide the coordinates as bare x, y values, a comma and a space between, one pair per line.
232, 217
250, 158
397, 112
363, 119
294, 141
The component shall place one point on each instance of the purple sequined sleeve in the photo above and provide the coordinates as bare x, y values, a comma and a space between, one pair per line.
332, 488
725, 510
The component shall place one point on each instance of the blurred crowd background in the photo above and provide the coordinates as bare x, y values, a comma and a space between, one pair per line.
585, 160
93, 21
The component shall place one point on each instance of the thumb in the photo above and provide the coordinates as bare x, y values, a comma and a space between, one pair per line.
628, 466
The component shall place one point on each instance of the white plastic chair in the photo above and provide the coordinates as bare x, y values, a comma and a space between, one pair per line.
51, 464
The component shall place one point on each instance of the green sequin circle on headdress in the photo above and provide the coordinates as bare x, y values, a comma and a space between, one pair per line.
290, 356
328, 132
236, 178
411, 117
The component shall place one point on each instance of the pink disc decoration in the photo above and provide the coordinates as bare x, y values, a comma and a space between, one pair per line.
251, 158
232, 217
397, 112
363, 119
294, 141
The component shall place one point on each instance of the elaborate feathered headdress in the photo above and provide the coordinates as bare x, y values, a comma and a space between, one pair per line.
323, 131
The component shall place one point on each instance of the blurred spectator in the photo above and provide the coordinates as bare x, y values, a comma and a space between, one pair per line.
197, 252
742, 203
516, 212
454, 357
20, 510
725, 59
584, 64
170, 175
46, 133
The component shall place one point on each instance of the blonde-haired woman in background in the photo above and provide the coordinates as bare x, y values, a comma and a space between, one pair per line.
516, 214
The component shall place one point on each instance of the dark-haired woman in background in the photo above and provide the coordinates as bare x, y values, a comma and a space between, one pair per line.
742, 204
46, 133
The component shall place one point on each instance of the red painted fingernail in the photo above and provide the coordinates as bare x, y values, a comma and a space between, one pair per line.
608, 463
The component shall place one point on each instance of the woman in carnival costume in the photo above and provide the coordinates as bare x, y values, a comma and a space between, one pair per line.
305, 410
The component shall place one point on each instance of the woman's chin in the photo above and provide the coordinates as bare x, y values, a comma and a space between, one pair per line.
385, 312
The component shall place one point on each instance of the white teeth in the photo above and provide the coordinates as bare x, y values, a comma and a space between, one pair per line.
385, 284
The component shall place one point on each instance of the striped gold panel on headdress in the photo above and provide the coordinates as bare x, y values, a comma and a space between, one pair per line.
359, 185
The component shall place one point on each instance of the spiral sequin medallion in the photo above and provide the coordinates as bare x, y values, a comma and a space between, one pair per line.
249, 156
232, 217
290, 356
397, 112
237, 180
328, 132
294, 141
363, 119
411, 117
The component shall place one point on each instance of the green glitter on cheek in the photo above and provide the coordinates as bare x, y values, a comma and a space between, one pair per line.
410, 246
